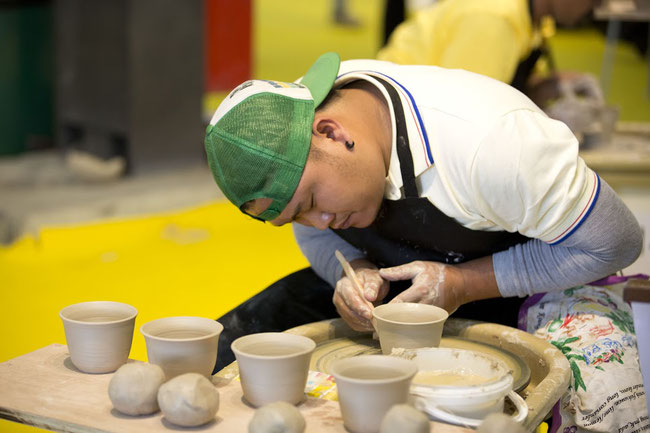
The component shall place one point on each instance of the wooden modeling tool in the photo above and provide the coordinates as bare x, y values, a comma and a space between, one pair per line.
349, 272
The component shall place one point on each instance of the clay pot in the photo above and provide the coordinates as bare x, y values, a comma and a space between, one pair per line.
98, 334
368, 386
273, 366
182, 344
409, 325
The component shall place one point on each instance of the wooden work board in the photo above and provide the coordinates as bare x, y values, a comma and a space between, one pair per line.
44, 389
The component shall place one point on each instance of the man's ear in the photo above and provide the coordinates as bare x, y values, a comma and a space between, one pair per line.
328, 128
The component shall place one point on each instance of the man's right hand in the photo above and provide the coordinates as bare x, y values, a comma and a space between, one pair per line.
354, 308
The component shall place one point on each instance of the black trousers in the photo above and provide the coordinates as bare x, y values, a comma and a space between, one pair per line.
303, 297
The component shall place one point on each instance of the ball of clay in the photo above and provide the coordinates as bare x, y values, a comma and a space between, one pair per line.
404, 419
188, 400
498, 423
277, 417
134, 387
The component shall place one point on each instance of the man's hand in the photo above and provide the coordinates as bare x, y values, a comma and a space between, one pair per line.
354, 308
433, 283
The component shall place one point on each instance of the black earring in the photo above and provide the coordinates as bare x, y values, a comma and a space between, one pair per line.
349, 145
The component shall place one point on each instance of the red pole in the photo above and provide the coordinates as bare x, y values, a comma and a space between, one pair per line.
227, 43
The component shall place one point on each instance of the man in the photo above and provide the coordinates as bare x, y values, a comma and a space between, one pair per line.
453, 185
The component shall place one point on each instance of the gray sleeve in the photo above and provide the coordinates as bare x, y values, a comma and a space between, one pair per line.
318, 247
608, 240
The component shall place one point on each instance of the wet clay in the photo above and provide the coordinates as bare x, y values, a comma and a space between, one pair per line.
133, 389
403, 418
277, 417
446, 377
188, 400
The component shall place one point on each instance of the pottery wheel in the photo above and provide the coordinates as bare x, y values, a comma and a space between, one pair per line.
329, 351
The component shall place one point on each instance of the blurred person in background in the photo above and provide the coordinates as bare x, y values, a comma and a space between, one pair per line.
505, 40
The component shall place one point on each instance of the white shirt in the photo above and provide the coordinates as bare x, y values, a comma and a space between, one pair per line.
483, 153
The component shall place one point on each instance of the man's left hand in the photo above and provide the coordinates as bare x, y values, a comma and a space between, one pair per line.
432, 283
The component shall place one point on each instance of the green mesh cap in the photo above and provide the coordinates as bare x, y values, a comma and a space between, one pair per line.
258, 140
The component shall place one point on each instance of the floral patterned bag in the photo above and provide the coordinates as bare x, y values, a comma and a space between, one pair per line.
594, 329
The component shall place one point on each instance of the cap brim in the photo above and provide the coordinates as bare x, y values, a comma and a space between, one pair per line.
319, 79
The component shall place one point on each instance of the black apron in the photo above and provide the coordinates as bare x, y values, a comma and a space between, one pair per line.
412, 228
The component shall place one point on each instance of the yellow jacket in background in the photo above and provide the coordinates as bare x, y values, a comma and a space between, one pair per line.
489, 37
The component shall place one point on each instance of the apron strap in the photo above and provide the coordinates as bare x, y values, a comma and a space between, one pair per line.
402, 142
525, 68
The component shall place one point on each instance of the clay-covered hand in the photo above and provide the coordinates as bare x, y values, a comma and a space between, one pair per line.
352, 307
432, 283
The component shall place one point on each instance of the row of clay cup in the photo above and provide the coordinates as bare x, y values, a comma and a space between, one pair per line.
99, 335
272, 366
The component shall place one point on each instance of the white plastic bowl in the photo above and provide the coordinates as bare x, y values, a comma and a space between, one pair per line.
455, 402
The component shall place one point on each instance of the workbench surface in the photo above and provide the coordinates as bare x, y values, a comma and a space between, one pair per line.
44, 389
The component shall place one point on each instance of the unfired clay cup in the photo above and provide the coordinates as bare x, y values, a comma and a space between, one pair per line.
368, 386
98, 334
182, 344
273, 366
409, 325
